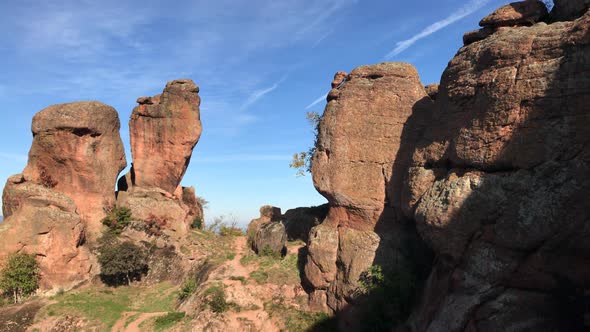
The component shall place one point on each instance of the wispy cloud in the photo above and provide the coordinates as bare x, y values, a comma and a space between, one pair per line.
256, 95
460, 13
317, 101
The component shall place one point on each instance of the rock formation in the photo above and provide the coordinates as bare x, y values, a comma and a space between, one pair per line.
299, 222
61, 196
268, 214
499, 184
164, 130
270, 239
355, 168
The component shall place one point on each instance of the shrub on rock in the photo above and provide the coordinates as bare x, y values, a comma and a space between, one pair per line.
120, 263
20, 276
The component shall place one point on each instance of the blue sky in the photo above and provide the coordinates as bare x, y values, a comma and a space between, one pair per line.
260, 64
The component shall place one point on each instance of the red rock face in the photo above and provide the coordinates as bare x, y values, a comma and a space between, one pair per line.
44, 222
354, 167
68, 183
517, 13
499, 184
77, 150
164, 130
566, 10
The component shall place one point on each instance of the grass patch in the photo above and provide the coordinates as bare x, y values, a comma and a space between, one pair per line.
240, 278
274, 270
103, 306
296, 320
215, 298
164, 323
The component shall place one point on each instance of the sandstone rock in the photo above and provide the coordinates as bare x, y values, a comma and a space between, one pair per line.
357, 166
270, 239
477, 35
164, 130
299, 222
267, 214
432, 90
77, 151
44, 222
525, 12
566, 10
498, 184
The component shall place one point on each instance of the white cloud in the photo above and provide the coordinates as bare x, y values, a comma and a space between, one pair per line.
317, 101
462, 12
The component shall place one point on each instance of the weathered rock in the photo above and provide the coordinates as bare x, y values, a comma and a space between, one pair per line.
299, 222
270, 239
566, 10
525, 12
499, 185
477, 35
164, 130
432, 90
77, 151
354, 167
268, 213
44, 222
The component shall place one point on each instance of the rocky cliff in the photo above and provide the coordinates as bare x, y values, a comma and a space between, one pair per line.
54, 209
164, 129
357, 168
494, 175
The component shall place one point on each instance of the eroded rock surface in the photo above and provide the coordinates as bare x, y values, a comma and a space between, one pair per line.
57, 203
354, 167
299, 221
268, 214
77, 150
164, 130
498, 185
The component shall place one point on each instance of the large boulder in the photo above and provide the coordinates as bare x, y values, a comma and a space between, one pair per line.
566, 10
358, 155
299, 221
271, 239
77, 150
518, 13
268, 213
498, 185
164, 130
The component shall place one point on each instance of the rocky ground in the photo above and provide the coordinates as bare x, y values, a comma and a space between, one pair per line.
259, 294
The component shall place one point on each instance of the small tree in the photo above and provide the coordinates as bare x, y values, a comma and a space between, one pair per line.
302, 160
20, 276
117, 219
121, 262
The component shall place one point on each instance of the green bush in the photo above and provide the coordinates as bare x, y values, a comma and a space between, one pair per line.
20, 276
231, 230
120, 263
117, 219
188, 288
267, 251
215, 296
197, 223
385, 296
165, 322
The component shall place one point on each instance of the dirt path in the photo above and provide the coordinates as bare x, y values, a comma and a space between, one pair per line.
134, 325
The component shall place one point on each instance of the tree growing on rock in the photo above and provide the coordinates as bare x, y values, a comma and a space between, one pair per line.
120, 263
302, 160
20, 276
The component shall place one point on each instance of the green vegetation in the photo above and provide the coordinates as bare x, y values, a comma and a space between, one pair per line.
120, 263
188, 288
197, 223
239, 278
302, 160
117, 219
269, 252
231, 230
102, 307
164, 323
215, 298
19, 278
273, 269
297, 320
385, 297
